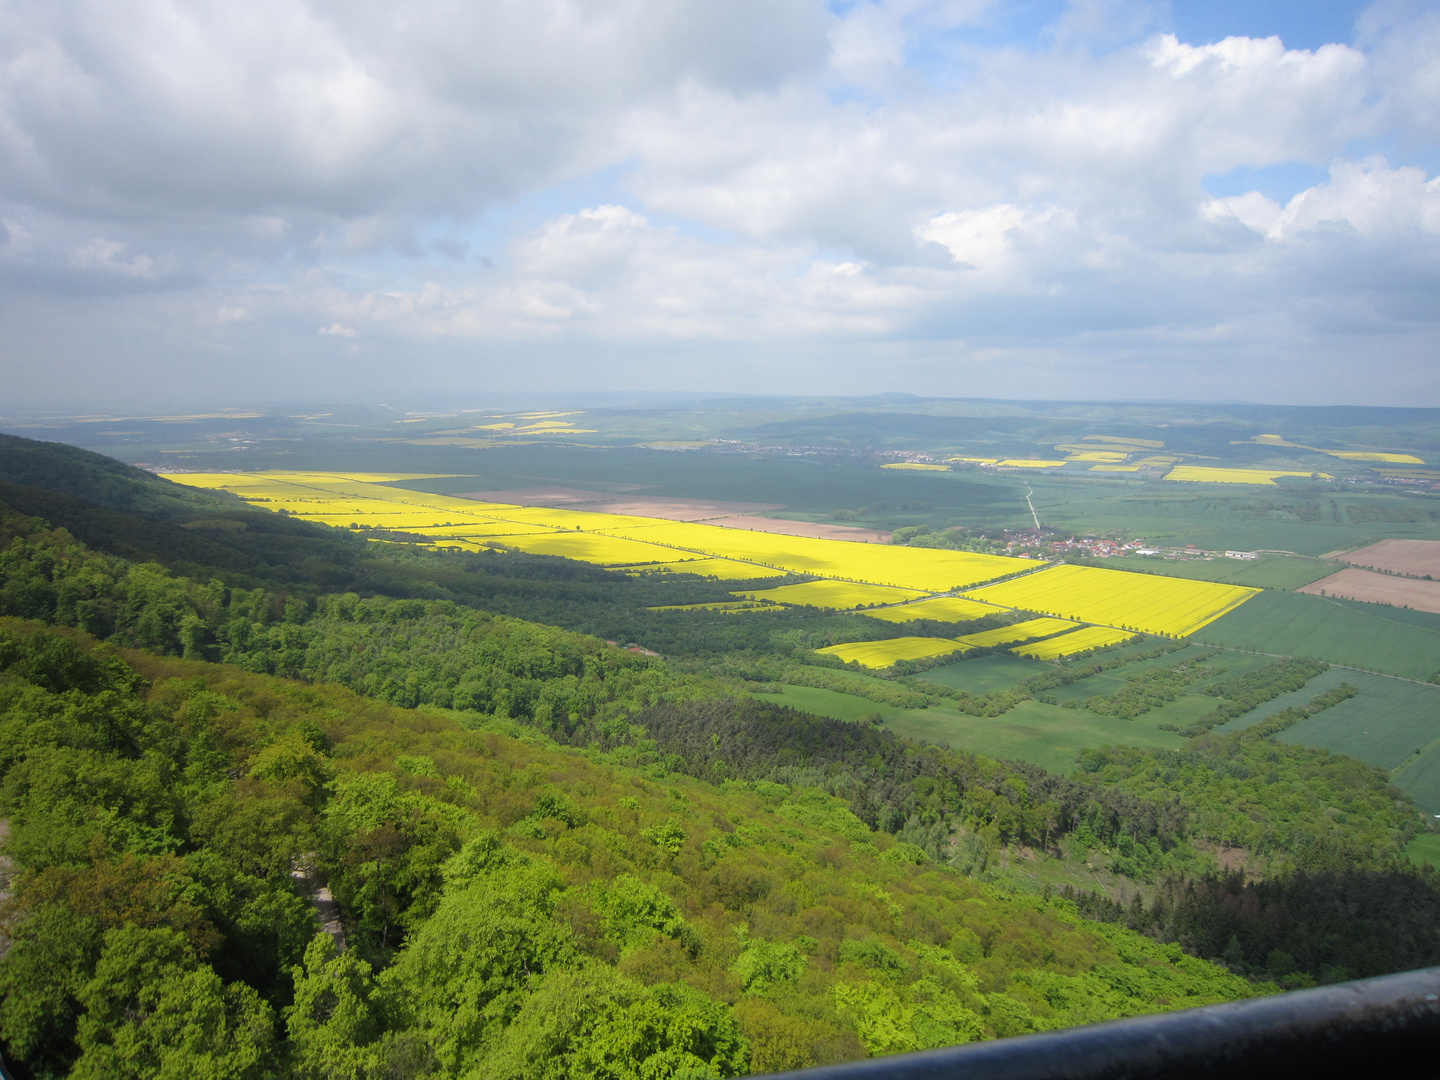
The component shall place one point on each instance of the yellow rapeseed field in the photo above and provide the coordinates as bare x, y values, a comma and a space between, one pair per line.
1367, 455
723, 569
591, 547
940, 609
1077, 641
840, 595
1197, 474
1154, 604
921, 569
1112, 456
1021, 631
881, 654
916, 465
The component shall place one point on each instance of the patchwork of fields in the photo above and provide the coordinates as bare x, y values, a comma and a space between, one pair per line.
1076, 641
898, 583
1172, 606
1392, 724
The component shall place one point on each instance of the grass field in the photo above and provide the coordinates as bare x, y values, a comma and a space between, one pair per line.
829, 703
984, 674
1046, 735
1420, 779
940, 609
1424, 850
1021, 631
1229, 517
837, 595
1173, 606
917, 465
1367, 636
1384, 725
1089, 637
1266, 572
882, 654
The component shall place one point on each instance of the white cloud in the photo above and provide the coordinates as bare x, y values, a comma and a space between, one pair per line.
603, 172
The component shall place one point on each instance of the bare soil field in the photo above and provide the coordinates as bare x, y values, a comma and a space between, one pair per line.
1355, 584
733, 515
1417, 558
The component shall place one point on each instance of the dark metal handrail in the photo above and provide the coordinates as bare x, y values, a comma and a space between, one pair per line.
1385, 1027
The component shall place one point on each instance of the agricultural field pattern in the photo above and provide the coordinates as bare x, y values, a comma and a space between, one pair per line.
950, 606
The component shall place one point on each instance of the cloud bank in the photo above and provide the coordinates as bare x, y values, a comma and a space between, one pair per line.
301, 199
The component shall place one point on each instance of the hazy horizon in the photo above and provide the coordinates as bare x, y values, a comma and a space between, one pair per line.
1098, 200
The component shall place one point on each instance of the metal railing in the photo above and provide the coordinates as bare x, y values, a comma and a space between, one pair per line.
1380, 1028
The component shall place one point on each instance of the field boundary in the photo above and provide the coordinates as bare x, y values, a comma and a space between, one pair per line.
1342, 667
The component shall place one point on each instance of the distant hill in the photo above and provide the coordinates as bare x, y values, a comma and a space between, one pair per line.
102, 481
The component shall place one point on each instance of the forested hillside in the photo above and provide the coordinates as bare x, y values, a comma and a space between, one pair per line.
553, 857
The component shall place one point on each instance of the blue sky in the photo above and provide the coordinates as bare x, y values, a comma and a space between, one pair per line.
1071, 198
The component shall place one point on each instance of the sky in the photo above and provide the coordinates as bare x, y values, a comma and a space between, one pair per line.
205, 202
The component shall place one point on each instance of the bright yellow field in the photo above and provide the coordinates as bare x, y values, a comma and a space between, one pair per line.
1366, 455
590, 547
1154, 604
921, 569
1197, 474
1087, 637
723, 569
1021, 631
881, 654
1111, 456
606, 539
840, 595
916, 465
728, 606
941, 609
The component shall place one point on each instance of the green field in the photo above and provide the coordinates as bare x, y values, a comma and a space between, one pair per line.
1267, 572
1326, 680
1420, 779
985, 674
1306, 518
1425, 850
1032, 731
1368, 636
1384, 725
830, 703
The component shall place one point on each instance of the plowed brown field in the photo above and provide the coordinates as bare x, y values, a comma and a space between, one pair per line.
1418, 558
1354, 584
